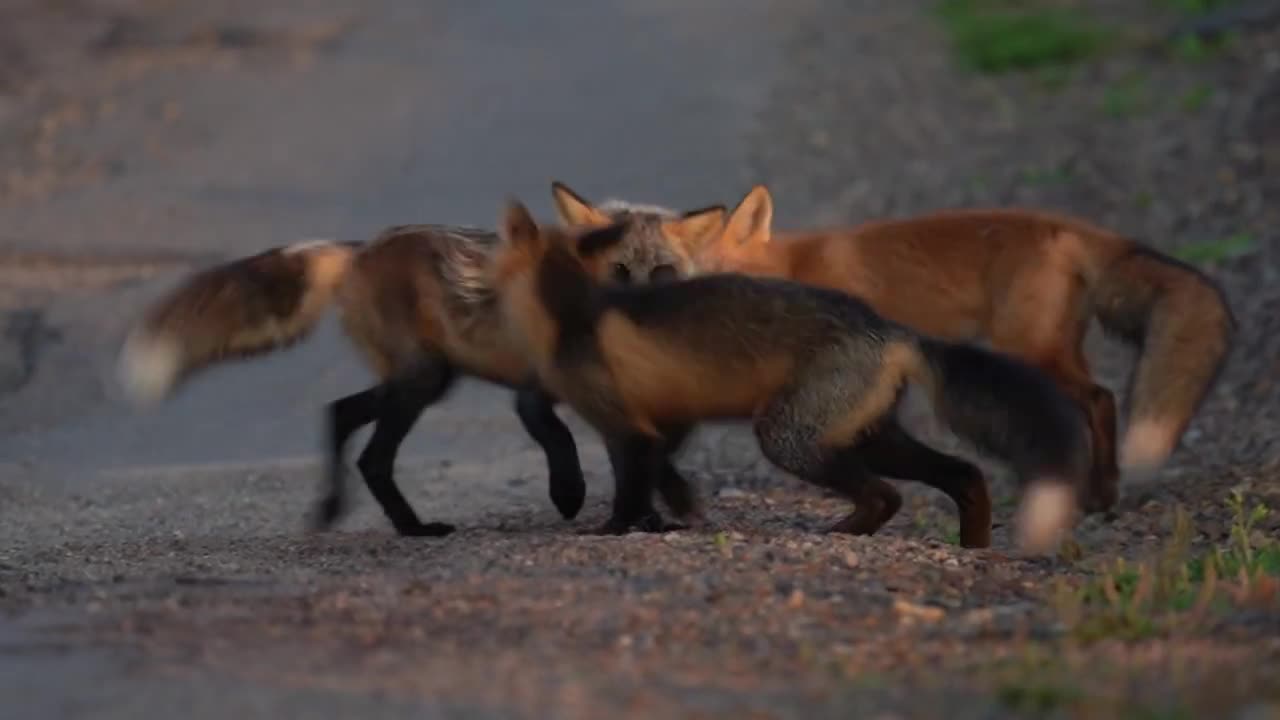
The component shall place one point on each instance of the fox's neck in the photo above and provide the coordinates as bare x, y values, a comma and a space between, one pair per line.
568, 294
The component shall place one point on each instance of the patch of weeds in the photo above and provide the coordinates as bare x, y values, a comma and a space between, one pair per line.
995, 36
1070, 552
1053, 78
1137, 601
1246, 561
1039, 697
1034, 684
951, 535
1193, 48
1195, 7
1130, 601
1126, 97
1196, 98
1143, 199
1056, 175
1143, 712
1216, 250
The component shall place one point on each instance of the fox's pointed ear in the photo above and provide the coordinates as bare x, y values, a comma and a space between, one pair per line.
696, 227
752, 220
518, 227
573, 209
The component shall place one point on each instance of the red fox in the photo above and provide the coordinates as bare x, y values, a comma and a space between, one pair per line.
418, 303
1028, 282
817, 371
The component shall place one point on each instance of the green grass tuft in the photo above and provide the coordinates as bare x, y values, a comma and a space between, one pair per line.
1196, 7
1196, 98
995, 36
1216, 250
1176, 590
1125, 97
1192, 48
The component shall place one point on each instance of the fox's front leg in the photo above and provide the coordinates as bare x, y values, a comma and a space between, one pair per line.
536, 409
637, 461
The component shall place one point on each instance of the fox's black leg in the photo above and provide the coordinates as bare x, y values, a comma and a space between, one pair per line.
675, 490
344, 416
844, 471
891, 451
403, 401
536, 410
636, 461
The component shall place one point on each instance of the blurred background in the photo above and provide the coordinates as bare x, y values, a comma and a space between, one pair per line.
142, 139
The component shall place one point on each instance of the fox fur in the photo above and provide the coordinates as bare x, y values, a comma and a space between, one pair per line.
817, 371
419, 305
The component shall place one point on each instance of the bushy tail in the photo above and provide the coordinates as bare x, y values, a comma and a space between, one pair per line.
1016, 413
243, 308
1184, 328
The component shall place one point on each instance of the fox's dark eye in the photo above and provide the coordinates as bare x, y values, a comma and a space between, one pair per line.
662, 273
621, 273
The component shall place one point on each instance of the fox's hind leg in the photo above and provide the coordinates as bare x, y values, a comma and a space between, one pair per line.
892, 452
676, 491
875, 501
813, 427
396, 405
536, 409
344, 417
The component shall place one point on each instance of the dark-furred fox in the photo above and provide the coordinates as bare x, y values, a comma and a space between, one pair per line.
817, 371
1028, 282
418, 302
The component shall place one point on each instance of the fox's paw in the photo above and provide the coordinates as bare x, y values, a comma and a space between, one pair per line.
612, 526
649, 523
326, 513
420, 529
695, 522
568, 494
856, 524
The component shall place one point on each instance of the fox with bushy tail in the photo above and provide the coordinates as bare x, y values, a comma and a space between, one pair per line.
1028, 281
419, 305
817, 371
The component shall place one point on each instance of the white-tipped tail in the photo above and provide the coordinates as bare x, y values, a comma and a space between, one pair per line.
1047, 511
1147, 444
148, 366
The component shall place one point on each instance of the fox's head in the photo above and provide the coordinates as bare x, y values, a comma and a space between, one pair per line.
657, 244
545, 276
590, 250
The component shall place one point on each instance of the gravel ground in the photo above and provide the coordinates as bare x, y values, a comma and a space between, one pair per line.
198, 586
